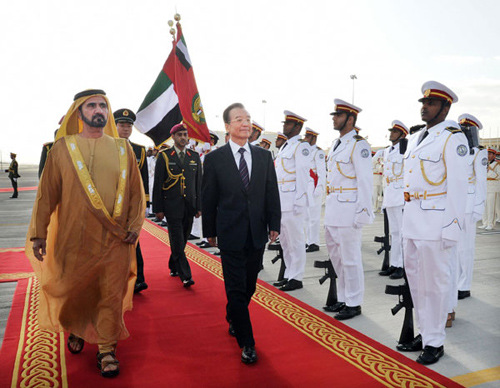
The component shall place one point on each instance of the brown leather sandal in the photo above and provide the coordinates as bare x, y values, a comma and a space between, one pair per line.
73, 339
102, 364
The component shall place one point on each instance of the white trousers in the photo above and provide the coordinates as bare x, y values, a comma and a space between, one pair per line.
497, 207
293, 243
196, 228
429, 272
344, 249
466, 251
489, 210
314, 222
377, 197
395, 217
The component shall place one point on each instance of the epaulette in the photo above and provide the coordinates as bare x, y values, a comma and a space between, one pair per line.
358, 138
48, 144
481, 147
453, 130
319, 148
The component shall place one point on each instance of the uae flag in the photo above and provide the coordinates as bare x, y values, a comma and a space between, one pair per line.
173, 98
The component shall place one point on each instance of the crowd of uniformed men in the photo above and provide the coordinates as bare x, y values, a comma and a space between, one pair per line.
434, 181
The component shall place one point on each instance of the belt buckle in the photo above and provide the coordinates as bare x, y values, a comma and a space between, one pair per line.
407, 196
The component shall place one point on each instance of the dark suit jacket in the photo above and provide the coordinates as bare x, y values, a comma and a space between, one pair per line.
229, 212
140, 155
172, 195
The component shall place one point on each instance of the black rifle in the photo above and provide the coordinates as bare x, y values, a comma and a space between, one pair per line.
384, 240
403, 292
279, 256
331, 298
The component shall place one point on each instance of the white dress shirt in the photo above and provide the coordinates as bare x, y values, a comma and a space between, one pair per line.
237, 156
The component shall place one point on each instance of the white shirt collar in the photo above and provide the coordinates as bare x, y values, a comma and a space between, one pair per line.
235, 147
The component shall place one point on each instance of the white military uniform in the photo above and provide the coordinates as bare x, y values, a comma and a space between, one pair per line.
378, 171
394, 201
493, 188
292, 170
476, 198
349, 185
316, 193
433, 219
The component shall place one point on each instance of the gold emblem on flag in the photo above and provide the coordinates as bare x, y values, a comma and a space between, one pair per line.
197, 110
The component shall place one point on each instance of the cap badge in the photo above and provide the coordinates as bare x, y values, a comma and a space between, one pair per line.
125, 113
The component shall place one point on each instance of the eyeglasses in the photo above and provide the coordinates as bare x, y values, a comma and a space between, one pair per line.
242, 120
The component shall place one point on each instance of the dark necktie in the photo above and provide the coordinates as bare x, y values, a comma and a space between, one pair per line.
392, 147
336, 145
244, 169
423, 137
181, 157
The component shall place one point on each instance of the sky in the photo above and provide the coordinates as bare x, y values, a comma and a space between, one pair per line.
294, 55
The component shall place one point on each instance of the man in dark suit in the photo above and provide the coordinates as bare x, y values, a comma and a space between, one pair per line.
241, 211
177, 196
124, 119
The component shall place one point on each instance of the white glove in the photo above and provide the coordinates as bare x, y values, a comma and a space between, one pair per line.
357, 225
298, 210
447, 244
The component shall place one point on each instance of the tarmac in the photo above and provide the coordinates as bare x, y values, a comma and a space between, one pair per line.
472, 345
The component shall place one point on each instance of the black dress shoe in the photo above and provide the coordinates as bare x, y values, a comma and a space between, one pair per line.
13, 197
217, 253
163, 223
231, 331
248, 355
280, 283
204, 244
291, 285
156, 220
388, 271
193, 237
151, 215
140, 287
348, 312
173, 272
312, 248
463, 294
187, 283
430, 355
412, 346
397, 274
335, 308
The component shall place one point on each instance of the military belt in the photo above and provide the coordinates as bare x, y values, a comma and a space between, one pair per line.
417, 195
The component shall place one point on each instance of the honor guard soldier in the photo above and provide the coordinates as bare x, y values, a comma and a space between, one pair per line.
280, 140
257, 130
492, 189
378, 171
349, 186
316, 190
13, 174
124, 120
433, 218
477, 162
394, 200
293, 163
177, 196
265, 143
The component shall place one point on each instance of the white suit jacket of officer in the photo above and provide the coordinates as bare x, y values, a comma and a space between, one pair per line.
349, 183
318, 166
393, 178
476, 196
292, 170
493, 176
436, 184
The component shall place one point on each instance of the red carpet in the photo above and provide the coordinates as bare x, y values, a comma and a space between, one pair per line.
10, 189
179, 339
